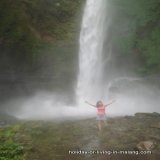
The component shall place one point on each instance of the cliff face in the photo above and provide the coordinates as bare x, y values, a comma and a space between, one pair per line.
36, 38
134, 33
49, 20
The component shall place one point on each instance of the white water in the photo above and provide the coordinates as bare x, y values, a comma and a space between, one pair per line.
91, 51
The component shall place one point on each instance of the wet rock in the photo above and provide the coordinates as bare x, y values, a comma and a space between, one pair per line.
155, 138
6, 120
141, 115
144, 115
145, 145
3, 124
156, 125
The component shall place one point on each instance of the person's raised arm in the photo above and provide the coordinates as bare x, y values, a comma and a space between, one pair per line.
109, 103
90, 104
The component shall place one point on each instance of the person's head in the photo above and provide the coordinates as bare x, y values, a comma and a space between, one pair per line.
99, 103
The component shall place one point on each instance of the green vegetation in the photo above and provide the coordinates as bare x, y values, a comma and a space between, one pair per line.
135, 31
10, 149
25, 22
11, 152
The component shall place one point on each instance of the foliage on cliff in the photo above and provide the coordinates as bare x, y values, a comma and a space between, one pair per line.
135, 30
28, 20
36, 38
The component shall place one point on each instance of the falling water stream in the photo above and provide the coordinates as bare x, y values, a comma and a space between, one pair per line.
91, 50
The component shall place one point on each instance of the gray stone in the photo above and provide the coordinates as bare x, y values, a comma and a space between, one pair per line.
156, 125
145, 145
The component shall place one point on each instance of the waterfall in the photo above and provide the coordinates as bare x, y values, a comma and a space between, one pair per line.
132, 94
91, 50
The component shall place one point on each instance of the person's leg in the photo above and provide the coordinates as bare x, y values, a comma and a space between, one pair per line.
99, 125
104, 121
102, 124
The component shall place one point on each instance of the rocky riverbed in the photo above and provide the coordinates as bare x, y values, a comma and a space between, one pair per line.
129, 137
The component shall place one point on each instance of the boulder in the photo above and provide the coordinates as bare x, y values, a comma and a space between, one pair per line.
145, 145
156, 125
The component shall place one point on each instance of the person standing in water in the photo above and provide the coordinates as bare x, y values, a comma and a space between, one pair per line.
101, 115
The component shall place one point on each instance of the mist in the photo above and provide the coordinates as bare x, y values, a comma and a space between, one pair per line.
132, 95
